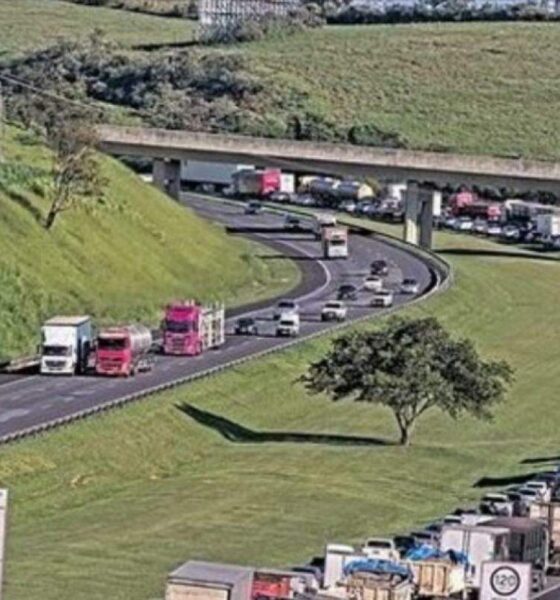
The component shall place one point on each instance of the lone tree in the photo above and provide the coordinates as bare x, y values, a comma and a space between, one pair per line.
411, 366
76, 177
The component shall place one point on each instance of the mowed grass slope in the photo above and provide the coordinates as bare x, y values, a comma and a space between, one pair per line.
487, 88
28, 24
120, 261
106, 507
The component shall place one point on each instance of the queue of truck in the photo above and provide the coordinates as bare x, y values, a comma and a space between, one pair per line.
71, 345
447, 559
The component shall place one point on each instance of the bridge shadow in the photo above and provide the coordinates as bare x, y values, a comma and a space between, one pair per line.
234, 432
496, 254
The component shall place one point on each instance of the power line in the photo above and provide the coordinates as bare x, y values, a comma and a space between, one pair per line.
10, 79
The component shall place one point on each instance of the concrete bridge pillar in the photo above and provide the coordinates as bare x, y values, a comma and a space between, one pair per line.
419, 214
167, 176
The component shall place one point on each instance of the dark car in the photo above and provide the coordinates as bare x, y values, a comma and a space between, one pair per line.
253, 208
280, 197
404, 543
347, 292
246, 326
379, 267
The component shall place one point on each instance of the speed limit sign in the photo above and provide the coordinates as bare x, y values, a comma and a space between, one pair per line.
505, 581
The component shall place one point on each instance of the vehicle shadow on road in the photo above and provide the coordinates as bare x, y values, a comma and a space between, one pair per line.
234, 432
496, 254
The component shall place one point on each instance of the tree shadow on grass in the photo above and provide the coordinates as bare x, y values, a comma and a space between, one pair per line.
497, 254
23, 202
234, 432
486, 482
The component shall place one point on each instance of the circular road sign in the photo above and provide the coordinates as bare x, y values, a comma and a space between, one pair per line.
505, 581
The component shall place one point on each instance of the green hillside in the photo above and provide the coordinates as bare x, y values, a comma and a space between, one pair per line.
120, 261
27, 24
105, 508
486, 88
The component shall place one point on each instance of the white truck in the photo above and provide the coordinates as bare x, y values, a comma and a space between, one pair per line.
335, 242
337, 556
218, 174
66, 345
479, 543
322, 220
548, 225
381, 548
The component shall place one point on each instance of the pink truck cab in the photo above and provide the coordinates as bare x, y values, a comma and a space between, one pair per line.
190, 328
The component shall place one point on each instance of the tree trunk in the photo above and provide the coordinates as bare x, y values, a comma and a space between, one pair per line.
51, 216
405, 429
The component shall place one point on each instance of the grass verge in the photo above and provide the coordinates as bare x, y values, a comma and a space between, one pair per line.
106, 507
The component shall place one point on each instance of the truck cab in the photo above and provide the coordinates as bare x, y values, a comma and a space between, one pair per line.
66, 345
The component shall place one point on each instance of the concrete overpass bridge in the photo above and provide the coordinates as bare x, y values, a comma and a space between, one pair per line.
424, 171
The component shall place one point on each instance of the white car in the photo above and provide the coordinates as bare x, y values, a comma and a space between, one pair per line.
348, 206
373, 283
410, 286
529, 496
284, 307
381, 548
463, 224
334, 310
496, 504
382, 299
480, 226
540, 487
449, 222
494, 229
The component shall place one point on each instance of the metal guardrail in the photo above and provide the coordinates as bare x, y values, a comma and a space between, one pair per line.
442, 274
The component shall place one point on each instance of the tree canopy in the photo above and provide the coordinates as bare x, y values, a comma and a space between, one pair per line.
410, 367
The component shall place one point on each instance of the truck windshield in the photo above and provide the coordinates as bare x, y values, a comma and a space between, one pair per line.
335, 242
111, 343
57, 351
180, 326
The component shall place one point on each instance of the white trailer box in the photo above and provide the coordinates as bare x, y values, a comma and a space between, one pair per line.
548, 225
216, 173
479, 543
337, 556
66, 344
287, 183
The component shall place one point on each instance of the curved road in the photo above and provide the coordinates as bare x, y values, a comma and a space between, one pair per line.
29, 402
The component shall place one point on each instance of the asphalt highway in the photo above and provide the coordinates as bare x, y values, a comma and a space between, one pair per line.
29, 401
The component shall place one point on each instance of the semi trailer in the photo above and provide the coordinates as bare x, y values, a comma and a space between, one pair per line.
190, 327
66, 345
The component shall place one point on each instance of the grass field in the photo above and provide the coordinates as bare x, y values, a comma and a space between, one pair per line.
121, 261
105, 508
28, 24
486, 88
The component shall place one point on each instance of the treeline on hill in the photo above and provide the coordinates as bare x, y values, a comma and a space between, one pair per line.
344, 13
190, 90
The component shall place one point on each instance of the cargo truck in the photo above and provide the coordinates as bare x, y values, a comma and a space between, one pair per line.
528, 543
548, 225
123, 350
438, 578
196, 580
66, 345
334, 241
479, 543
279, 585
549, 514
215, 173
337, 556
321, 222
256, 183
190, 328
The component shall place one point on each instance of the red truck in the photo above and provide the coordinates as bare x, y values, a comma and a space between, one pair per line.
123, 350
279, 585
256, 183
190, 328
